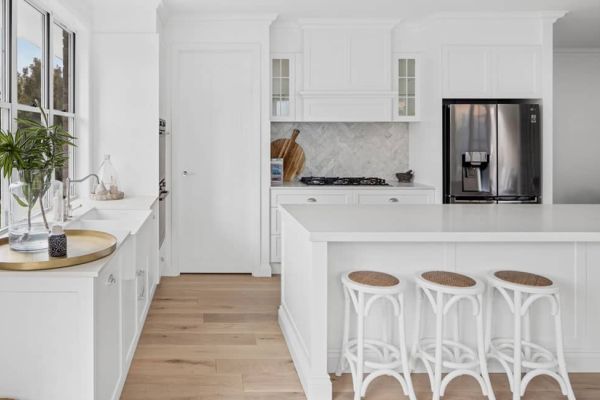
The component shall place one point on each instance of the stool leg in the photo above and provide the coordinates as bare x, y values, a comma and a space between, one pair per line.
517, 347
560, 354
340, 368
439, 338
417, 332
489, 309
481, 350
527, 335
360, 347
386, 326
401, 334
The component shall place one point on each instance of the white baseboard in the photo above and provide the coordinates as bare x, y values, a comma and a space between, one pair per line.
315, 387
264, 271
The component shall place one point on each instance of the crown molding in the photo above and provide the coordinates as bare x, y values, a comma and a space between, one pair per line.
348, 22
222, 17
550, 15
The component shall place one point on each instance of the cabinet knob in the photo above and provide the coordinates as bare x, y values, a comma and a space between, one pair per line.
140, 272
393, 200
185, 173
311, 200
111, 280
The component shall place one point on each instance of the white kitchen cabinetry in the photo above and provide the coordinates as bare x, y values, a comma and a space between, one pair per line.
407, 80
70, 334
492, 71
283, 87
518, 72
108, 360
347, 71
343, 196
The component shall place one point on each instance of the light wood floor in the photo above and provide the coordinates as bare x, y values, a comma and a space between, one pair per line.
216, 337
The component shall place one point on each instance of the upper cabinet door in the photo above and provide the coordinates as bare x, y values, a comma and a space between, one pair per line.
283, 87
406, 87
326, 64
467, 72
517, 71
342, 58
492, 72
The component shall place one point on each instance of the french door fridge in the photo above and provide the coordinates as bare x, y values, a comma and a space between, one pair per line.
492, 152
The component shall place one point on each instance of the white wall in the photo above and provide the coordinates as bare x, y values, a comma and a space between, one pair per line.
577, 126
125, 72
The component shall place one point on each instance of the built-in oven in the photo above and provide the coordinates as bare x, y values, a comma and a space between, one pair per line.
162, 183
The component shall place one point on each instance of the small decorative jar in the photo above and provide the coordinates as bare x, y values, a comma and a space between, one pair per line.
57, 242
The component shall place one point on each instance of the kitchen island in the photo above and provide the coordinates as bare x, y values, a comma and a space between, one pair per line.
319, 243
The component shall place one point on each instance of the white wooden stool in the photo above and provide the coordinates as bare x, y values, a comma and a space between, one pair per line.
518, 354
362, 289
444, 290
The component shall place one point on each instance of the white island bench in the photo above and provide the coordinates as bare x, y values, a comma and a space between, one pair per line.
319, 243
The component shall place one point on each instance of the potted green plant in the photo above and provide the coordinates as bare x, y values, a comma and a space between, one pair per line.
34, 151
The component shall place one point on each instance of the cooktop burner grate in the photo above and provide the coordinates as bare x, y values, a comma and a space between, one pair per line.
337, 181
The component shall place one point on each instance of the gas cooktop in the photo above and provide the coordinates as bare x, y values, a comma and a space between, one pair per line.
353, 181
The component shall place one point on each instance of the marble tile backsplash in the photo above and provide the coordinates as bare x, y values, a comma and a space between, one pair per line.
350, 149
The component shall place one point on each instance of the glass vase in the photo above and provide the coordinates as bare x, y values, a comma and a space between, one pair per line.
28, 225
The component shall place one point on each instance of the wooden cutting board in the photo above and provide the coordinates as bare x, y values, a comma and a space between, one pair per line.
292, 154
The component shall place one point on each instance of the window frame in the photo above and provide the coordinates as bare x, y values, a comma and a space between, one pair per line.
9, 97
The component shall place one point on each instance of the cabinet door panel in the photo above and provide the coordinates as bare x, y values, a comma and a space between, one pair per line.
517, 72
128, 299
370, 53
397, 198
107, 331
311, 198
466, 72
326, 59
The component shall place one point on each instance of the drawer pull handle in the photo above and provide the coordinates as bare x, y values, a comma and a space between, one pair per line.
311, 200
393, 200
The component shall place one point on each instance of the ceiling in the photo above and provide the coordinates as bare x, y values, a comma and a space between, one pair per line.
579, 28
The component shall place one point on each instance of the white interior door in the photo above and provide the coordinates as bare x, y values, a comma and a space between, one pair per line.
216, 159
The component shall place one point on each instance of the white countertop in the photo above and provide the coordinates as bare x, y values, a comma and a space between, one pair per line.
448, 223
128, 203
121, 230
392, 185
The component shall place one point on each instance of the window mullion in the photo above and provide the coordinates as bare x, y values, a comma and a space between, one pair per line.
50, 62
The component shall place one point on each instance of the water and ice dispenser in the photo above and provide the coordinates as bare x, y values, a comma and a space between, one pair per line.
474, 164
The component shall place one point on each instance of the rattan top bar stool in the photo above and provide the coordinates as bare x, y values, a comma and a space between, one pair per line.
519, 353
443, 290
364, 290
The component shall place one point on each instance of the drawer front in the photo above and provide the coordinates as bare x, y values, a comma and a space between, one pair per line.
276, 248
401, 197
311, 198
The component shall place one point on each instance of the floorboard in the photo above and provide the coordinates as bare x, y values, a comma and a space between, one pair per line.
216, 337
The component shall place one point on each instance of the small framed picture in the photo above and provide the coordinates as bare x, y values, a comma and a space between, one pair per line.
276, 171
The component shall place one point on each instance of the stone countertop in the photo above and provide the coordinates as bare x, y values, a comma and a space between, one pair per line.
448, 223
392, 185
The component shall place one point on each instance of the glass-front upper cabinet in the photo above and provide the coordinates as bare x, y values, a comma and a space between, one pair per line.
282, 87
406, 87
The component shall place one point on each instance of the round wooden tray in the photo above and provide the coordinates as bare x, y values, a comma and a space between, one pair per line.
83, 246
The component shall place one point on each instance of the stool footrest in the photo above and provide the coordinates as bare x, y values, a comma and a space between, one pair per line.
455, 355
533, 356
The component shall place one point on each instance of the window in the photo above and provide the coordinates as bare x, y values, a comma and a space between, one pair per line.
37, 55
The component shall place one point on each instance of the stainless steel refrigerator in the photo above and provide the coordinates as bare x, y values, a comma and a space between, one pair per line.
492, 152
